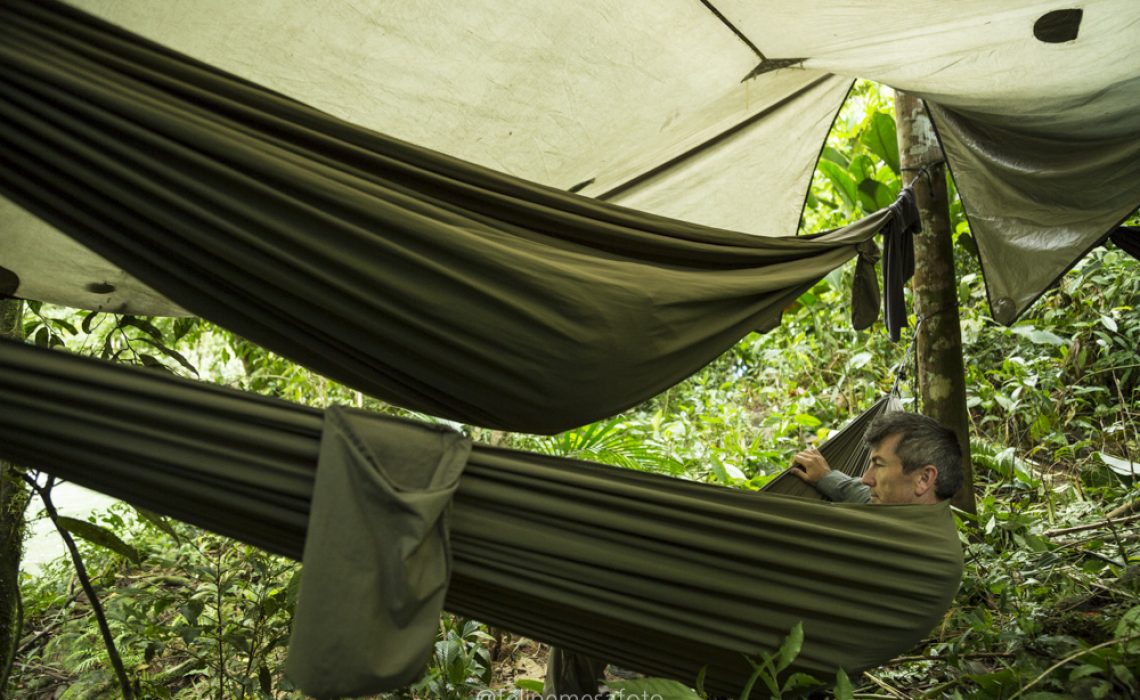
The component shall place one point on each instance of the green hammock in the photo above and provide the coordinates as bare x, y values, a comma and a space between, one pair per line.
656, 574
423, 280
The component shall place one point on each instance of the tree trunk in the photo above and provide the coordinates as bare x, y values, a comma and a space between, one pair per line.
941, 376
13, 502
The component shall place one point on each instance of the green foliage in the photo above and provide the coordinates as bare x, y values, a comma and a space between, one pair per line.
769, 667
858, 170
193, 616
461, 665
613, 441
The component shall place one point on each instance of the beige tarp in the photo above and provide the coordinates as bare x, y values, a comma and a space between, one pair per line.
647, 104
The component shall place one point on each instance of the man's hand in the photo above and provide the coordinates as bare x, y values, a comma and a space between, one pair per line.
810, 466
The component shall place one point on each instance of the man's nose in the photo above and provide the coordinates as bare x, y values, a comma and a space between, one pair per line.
868, 479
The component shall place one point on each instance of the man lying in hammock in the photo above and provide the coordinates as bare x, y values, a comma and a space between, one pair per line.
914, 459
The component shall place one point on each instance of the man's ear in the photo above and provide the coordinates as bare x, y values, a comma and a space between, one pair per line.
927, 478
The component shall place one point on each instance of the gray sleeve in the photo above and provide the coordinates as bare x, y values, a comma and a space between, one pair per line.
843, 489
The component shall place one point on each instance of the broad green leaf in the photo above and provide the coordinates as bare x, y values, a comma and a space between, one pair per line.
874, 195
143, 325
734, 471
1042, 426
65, 325
842, 181
191, 610
1083, 671
834, 278
1119, 465
859, 359
1046, 338
790, 649
662, 688
1109, 323
718, 469
1126, 676
99, 535
293, 588
1128, 626
834, 156
1038, 336
861, 168
882, 140
807, 420
530, 685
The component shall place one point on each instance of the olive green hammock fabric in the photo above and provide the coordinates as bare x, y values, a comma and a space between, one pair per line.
426, 281
656, 574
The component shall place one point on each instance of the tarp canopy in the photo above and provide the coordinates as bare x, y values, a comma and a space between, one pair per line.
429, 282
659, 106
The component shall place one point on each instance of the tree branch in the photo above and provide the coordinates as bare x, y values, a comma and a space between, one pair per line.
85, 581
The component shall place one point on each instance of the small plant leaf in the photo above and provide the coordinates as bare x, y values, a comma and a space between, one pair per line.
99, 535
174, 355
843, 689
88, 320
790, 649
796, 681
1119, 465
264, 679
807, 420
530, 684
1129, 626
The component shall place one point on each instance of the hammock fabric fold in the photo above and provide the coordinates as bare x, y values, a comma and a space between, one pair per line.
426, 281
656, 574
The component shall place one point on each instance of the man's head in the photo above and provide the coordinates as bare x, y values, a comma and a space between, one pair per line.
914, 459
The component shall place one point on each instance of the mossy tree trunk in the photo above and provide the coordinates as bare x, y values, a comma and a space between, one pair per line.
941, 375
13, 501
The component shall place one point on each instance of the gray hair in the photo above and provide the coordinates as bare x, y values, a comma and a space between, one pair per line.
922, 441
